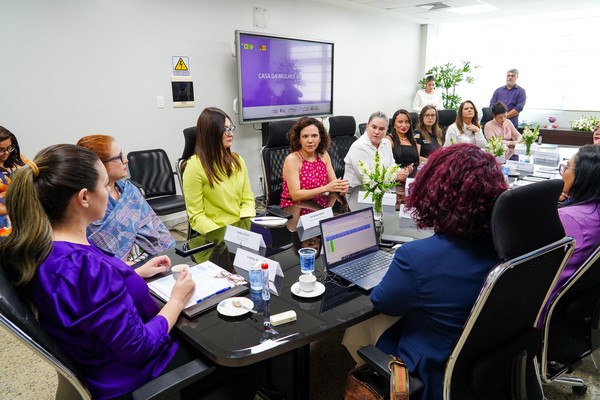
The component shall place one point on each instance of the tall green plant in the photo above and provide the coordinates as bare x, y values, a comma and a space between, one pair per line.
447, 77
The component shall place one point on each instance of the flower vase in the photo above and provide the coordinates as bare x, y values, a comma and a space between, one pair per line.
527, 156
378, 214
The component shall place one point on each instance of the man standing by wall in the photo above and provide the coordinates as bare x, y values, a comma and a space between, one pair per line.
512, 95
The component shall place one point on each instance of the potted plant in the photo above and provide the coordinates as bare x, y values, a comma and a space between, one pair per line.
528, 138
496, 146
586, 124
447, 77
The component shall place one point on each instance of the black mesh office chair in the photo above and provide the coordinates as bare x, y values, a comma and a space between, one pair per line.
486, 116
446, 118
361, 128
273, 155
342, 133
495, 356
19, 321
152, 170
189, 147
572, 325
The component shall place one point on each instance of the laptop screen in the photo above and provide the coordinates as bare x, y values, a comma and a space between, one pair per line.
348, 235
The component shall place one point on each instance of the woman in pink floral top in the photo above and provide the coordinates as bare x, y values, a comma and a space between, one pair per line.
309, 182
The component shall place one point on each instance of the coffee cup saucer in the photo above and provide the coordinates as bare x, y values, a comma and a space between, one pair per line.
319, 290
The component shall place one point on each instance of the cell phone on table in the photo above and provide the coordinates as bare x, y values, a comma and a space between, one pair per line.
193, 246
278, 212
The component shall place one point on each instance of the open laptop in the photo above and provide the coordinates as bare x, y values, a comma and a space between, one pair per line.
350, 248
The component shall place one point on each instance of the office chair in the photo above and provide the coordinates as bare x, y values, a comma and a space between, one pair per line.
361, 128
18, 320
445, 119
342, 133
414, 119
189, 147
273, 156
495, 355
152, 170
486, 116
572, 325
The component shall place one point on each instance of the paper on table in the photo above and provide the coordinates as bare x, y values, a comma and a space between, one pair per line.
207, 276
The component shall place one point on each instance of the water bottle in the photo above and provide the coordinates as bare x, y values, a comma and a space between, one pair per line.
255, 277
266, 294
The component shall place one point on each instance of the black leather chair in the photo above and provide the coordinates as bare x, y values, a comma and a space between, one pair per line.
273, 155
446, 118
342, 133
19, 321
361, 128
572, 325
414, 119
189, 147
486, 116
152, 170
495, 356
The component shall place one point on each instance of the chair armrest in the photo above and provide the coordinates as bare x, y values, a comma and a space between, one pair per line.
379, 361
139, 186
376, 359
168, 385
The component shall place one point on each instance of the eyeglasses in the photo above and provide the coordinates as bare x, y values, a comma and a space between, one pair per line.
231, 278
5, 150
228, 130
562, 168
429, 115
115, 158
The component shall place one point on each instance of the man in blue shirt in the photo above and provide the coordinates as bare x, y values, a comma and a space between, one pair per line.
512, 95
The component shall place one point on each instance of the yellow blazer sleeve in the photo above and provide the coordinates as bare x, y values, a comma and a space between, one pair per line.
248, 208
194, 180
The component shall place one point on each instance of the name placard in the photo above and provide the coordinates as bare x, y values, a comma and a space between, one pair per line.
246, 260
389, 199
244, 238
311, 220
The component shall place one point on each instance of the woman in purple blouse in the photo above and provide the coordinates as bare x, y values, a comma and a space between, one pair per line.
95, 307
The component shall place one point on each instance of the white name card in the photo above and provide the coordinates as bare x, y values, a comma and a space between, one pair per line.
246, 260
409, 181
389, 199
244, 238
311, 220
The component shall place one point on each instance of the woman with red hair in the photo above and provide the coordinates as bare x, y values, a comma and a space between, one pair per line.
433, 283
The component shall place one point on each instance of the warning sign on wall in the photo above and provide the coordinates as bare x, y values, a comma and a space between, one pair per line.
181, 66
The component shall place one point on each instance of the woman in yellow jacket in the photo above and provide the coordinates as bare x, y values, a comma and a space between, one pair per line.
215, 181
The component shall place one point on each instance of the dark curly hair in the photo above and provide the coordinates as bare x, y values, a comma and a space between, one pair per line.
294, 134
455, 191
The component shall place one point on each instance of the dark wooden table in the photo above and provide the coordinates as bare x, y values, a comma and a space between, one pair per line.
565, 136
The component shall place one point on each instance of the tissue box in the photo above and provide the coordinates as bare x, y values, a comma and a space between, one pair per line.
522, 168
547, 159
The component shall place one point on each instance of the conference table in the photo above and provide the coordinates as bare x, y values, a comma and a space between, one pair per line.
248, 339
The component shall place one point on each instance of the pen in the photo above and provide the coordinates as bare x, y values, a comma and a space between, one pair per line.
214, 294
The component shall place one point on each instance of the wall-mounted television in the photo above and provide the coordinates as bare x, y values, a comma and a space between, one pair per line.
281, 77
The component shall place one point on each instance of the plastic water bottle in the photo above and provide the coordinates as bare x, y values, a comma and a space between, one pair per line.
266, 294
255, 277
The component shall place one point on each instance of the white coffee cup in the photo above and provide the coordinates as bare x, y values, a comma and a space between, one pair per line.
178, 269
307, 282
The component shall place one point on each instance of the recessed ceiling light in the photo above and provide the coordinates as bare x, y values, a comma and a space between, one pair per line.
478, 9
434, 6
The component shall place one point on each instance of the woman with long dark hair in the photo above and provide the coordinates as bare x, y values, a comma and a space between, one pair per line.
466, 129
215, 181
404, 146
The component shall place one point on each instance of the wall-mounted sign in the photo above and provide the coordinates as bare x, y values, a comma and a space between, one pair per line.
181, 66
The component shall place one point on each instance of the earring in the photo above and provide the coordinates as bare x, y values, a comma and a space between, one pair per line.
86, 205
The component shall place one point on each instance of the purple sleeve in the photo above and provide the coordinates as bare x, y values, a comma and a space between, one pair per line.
494, 98
397, 292
520, 100
98, 301
573, 229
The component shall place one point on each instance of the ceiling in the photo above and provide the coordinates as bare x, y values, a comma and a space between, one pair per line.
440, 13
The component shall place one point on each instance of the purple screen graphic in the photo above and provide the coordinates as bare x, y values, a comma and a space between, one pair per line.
284, 77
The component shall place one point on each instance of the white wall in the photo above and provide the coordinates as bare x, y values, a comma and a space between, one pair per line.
75, 67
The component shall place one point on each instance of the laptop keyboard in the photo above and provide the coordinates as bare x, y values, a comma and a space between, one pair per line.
365, 266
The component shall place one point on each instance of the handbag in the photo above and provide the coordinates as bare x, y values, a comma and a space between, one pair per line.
363, 383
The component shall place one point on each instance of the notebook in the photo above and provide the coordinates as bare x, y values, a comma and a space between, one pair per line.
350, 248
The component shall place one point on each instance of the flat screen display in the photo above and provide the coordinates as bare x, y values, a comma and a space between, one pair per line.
283, 77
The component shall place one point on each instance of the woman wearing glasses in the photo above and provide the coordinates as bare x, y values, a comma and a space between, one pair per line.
428, 133
130, 229
11, 159
215, 182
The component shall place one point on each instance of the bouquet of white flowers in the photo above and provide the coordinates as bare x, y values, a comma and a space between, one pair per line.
495, 146
529, 137
587, 124
377, 179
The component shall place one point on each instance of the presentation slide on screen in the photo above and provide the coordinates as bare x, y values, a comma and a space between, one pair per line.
284, 77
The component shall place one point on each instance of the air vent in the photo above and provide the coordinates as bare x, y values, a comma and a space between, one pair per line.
434, 6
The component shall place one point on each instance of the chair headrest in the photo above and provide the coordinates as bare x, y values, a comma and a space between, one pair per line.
446, 117
526, 218
342, 125
189, 136
278, 133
